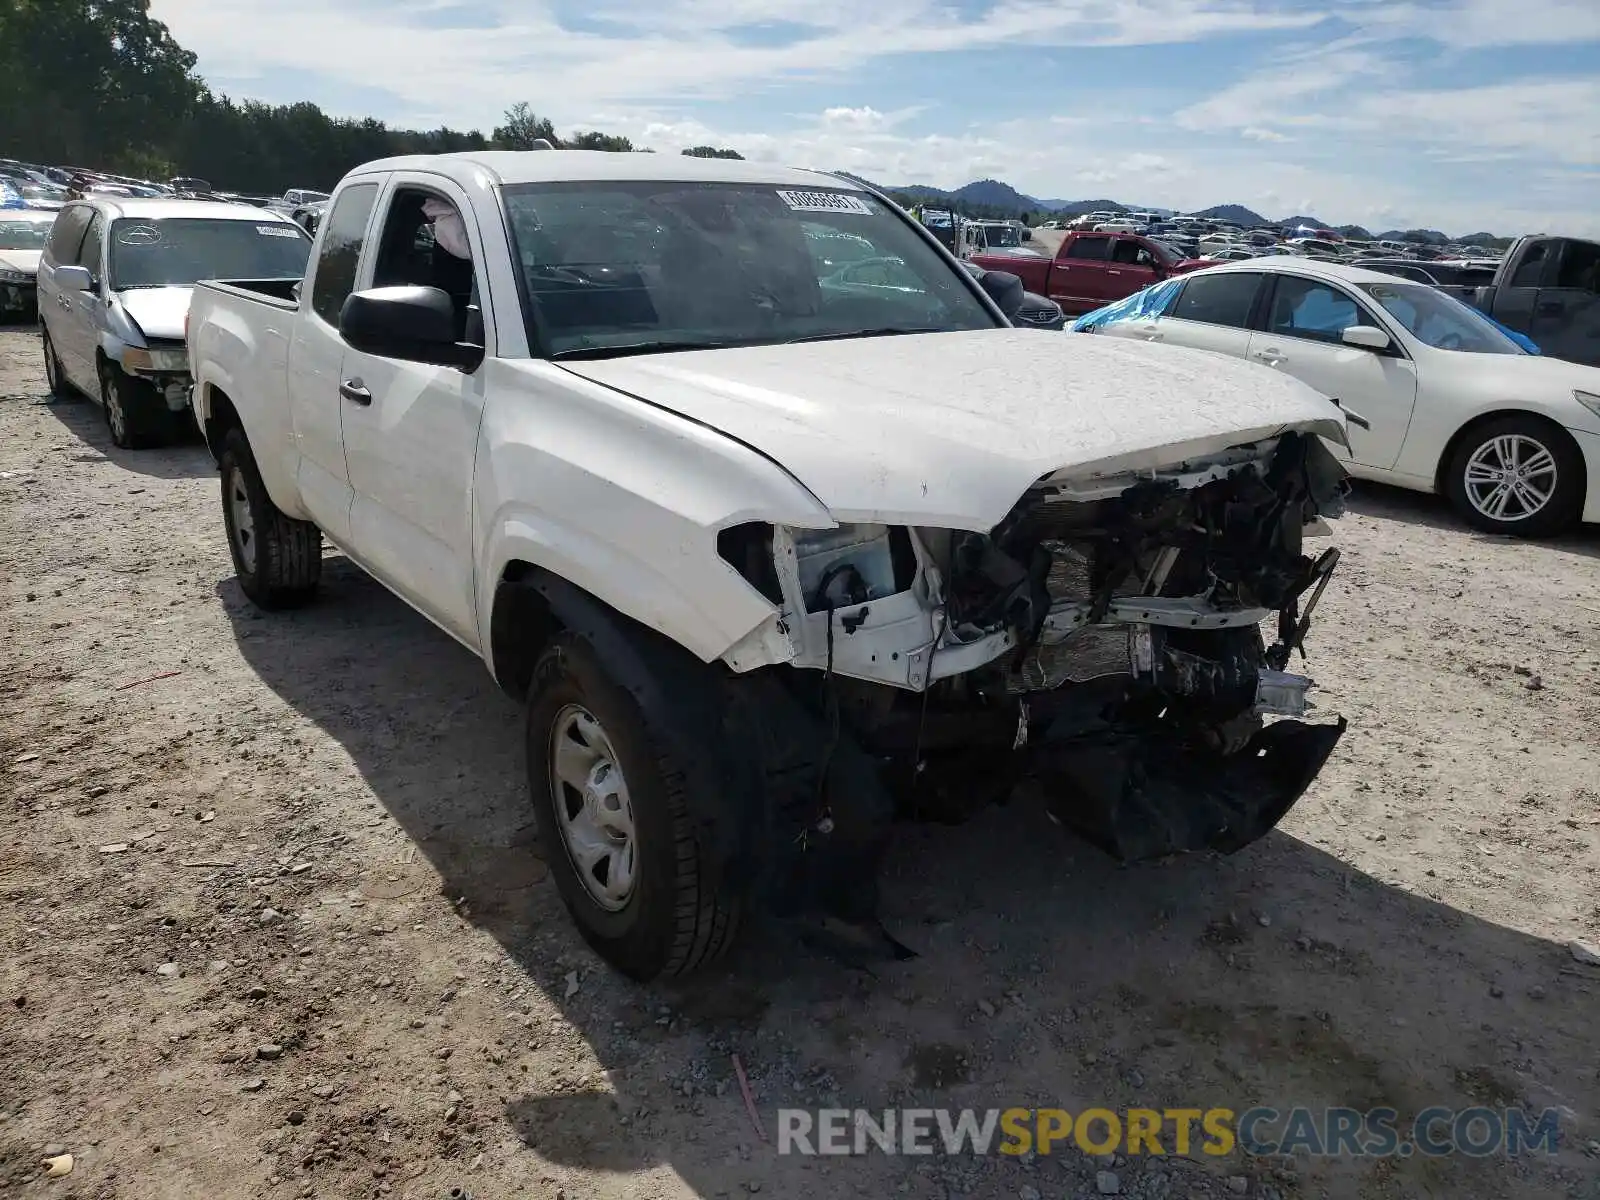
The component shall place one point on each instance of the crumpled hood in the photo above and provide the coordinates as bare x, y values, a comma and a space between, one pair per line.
159, 312
20, 260
950, 429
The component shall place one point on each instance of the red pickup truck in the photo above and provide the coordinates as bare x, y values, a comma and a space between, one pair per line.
1091, 269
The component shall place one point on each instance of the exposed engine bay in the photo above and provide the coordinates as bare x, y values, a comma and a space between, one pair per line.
1104, 639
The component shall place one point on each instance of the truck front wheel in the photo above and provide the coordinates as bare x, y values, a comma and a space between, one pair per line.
278, 559
612, 810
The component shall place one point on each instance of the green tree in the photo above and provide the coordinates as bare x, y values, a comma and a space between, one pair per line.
712, 152
593, 139
522, 128
90, 82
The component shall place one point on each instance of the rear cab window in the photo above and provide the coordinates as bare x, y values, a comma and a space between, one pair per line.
1094, 249
344, 235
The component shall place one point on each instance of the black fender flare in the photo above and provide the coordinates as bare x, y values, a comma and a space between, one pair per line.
752, 754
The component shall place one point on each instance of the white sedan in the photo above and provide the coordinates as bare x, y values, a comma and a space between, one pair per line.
1443, 400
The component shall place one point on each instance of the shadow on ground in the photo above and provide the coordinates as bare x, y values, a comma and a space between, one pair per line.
1434, 512
1047, 975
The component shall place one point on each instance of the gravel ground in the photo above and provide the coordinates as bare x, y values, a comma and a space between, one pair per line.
274, 923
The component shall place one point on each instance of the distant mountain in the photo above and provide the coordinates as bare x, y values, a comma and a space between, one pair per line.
1237, 213
996, 195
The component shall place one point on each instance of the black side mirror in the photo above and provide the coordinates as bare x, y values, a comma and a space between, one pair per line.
417, 324
1005, 289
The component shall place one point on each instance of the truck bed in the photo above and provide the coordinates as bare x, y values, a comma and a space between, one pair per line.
279, 293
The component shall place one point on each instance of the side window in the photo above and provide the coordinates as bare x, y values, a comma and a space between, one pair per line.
1580, 267
424, 242
1531, 267
1305, 308
91, 252
1129, 251
1096, 248
341, 250
67, 234
1221, 299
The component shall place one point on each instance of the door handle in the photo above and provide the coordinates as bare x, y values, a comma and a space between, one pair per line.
1109, 271
1271, 357
356, 392
1154, 335
1549, 308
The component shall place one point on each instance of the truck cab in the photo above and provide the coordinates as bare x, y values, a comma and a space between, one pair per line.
1092, 269
1548, 288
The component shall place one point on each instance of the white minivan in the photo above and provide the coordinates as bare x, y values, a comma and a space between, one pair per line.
114, 285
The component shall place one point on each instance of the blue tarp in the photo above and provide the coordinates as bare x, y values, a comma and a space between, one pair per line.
1153, 301
1520, 339
1143, 305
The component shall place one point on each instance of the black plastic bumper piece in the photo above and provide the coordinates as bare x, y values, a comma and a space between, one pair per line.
1140, 793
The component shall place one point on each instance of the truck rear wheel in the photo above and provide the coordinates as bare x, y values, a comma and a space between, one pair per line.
278, 559
613, 812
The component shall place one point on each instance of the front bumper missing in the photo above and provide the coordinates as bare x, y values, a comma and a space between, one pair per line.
1140, 793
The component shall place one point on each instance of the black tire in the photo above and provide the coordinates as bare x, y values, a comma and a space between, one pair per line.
672, 922
1528, 434
54, 377
136, 414
278, 559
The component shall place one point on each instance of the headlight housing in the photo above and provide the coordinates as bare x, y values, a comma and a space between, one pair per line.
1588, 399
136, 358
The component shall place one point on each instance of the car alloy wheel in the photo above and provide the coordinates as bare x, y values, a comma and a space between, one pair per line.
593, 807
1511, 477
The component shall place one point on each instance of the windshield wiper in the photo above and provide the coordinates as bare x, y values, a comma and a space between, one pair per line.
878, 331
582, 352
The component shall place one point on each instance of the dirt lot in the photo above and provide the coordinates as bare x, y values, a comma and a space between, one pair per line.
274, 923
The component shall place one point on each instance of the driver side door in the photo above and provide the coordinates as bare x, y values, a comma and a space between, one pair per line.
410, 429
1301, 336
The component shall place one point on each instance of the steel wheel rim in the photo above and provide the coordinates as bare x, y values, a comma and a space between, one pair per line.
115, 417
593, 807
242, 520
1510, 478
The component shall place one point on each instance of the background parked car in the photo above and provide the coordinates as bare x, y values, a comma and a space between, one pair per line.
22, 237
1549, 289
1448, 401
114, 285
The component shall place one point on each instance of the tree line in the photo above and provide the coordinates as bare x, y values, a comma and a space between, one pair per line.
100, 84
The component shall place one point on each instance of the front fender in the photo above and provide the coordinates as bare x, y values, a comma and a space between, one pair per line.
625, 501
706, 617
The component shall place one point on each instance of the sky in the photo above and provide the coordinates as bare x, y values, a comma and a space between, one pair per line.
1461, 115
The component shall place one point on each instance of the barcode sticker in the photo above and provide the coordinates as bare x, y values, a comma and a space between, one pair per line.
835, 202
284, 231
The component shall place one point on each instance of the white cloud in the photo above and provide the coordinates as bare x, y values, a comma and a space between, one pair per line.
1340, 111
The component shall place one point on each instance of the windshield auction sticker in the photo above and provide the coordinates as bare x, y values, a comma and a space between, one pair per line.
283, 231
832, 202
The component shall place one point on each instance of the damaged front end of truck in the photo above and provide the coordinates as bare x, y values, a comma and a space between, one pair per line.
1103, 640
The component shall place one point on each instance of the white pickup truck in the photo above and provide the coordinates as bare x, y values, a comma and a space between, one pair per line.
771, 552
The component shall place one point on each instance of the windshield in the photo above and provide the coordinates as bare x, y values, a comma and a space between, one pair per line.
178, 251
620, 267
1440, 320
24, 235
